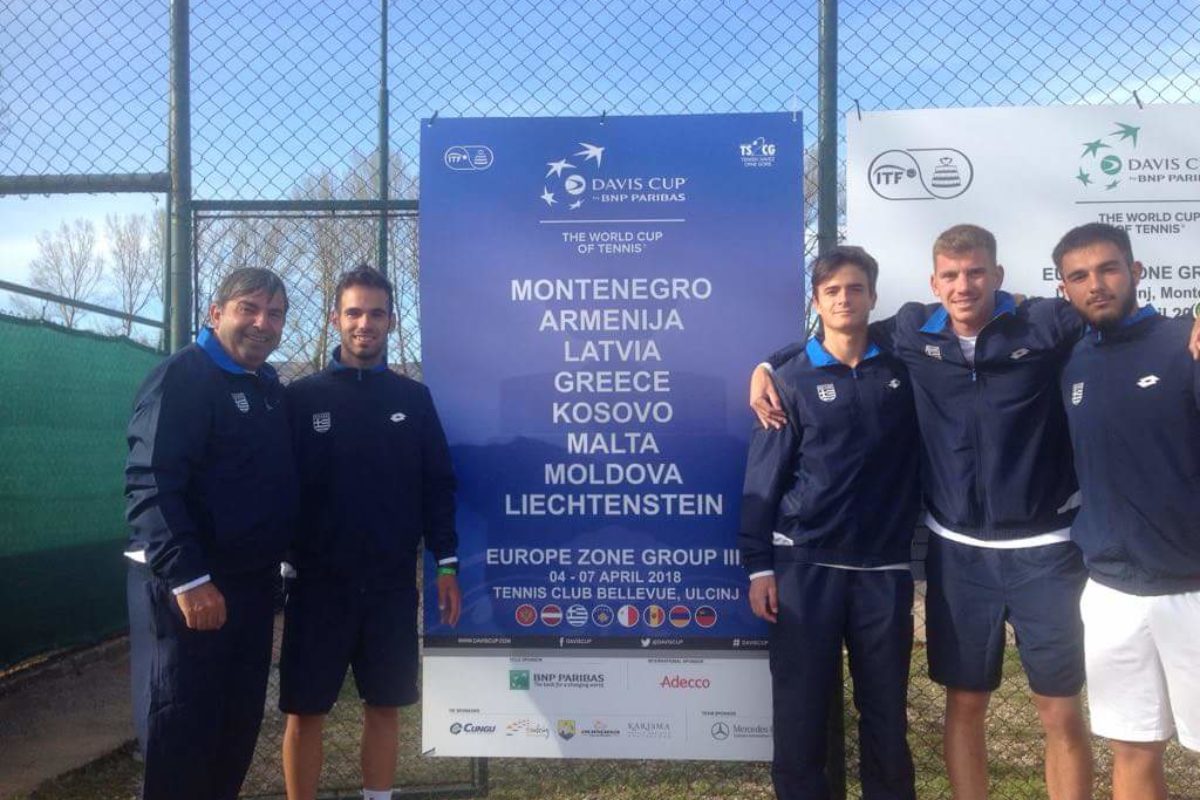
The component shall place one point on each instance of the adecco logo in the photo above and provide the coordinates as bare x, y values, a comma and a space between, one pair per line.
680, 682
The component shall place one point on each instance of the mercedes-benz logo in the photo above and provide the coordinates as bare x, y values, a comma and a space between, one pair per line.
719, 731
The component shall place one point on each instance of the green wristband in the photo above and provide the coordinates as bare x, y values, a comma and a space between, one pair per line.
447, 570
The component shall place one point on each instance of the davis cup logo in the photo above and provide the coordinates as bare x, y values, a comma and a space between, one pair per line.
565, 181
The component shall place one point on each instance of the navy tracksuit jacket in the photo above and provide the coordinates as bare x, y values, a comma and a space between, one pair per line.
839, 482
369, 434
211, 490
1132, 396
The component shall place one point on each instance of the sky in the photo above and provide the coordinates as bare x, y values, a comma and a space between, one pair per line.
282, 89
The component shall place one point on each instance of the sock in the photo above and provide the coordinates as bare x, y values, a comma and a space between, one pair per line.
377, 794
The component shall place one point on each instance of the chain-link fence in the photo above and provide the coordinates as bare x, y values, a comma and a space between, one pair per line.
285, 131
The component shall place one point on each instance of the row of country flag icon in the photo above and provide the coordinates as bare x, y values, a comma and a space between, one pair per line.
627, 616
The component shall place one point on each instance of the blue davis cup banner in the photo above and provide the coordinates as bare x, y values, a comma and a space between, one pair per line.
594, 293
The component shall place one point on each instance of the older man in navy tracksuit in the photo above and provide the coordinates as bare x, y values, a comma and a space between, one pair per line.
376, 481
1132, 395
828, 511
211, 498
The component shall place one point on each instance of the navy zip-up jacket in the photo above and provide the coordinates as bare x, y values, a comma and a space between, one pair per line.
840, 479
210, 481
1132, 396
996, 456
375, 476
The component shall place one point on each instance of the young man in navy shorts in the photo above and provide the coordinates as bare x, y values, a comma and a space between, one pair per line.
376, 481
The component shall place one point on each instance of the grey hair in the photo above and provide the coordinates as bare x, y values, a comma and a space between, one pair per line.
249, 280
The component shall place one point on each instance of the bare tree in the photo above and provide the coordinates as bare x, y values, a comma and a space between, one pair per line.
67, 265
136, 272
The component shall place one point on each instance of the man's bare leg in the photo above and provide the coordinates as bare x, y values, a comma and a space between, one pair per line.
1138, 770
302, 755
380, 741
965, 745
1068, 747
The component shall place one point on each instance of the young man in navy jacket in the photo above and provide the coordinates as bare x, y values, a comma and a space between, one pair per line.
1132, 396
828, 511
376, 480
1000, 496
211, 492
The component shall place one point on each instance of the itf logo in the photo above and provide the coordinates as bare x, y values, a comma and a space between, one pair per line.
468, 157
921, 173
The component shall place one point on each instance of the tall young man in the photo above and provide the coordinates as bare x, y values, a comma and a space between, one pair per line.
828, 512
211, 493
1132, 396
376, 480
1000, 497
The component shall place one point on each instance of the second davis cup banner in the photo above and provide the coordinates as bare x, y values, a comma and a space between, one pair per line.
594, 293
1028, 175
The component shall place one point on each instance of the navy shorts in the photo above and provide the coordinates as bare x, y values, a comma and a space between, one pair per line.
973, 591
331, 625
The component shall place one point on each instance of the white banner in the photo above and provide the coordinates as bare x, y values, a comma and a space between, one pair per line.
1028, 175
599, 704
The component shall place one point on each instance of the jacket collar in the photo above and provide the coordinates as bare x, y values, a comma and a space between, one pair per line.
336, 365
208, 342
939, 320
820, 357
1122, 328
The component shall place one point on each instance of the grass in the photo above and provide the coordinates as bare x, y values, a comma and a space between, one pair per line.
1014, 742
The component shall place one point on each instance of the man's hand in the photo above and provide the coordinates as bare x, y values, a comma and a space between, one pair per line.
765, 400
1194, 343
203, 607
449, 599
764, 598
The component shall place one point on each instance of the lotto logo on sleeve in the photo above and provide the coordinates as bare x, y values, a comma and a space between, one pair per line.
551, 615
627, 616
655, 616
680, 616
526, 615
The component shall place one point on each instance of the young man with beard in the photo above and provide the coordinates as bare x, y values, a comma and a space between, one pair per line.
376, 480
211, 492
828, 512
1132, 395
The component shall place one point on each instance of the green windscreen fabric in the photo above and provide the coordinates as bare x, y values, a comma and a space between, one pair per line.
65, 399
